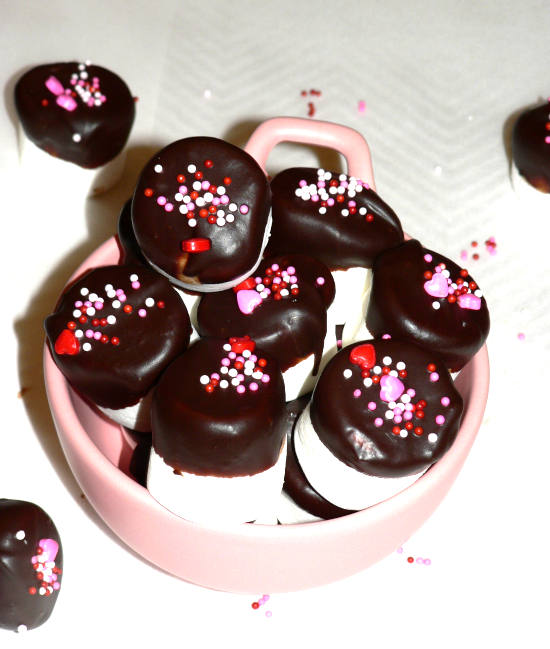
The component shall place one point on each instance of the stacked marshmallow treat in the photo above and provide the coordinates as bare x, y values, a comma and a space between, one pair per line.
74, 123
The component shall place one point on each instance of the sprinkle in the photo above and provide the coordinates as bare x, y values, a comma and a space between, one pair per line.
158, 168
432, 437
77, 137
521, 336
20, 535
361, 106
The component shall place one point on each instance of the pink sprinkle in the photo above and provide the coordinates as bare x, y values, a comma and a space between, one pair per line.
215, 375
216, 201
142, 313
440, 420
445, 401
419, 560
136, 285
224, 199
303, 183
407, 416
427, 562
190, 205
241, 389
357, 393
87, 303
291, 270
352, 203
98, 305
521, 336
161, 200
386, 337
320, 281
268, 613
547, 139
397, 419
371, 405
243, 209
168, 207
97, 335
226, 362
56, 585
253, 386
464, 254
232, 355
428, 257
399, 550
205, 184
378, 422
265, 598
265, 378
434, 377
330, 202
411, 392
361, 106
183, 189
89, 333
315, 198
78, 304
275, 266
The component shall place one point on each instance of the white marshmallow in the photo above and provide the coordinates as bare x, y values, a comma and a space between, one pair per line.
289, 513
214, 500
136, 417
50, 172
348, 307
191, 303
339, 483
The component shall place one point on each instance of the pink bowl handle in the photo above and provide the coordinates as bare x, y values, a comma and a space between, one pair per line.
351, 144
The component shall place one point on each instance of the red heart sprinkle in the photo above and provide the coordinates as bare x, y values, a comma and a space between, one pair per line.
199, 244
67, 343
238, 345
245, 285
363, 355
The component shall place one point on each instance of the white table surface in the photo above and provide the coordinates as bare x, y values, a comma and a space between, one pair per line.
439, 80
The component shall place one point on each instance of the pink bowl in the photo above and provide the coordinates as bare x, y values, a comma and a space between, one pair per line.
251, 558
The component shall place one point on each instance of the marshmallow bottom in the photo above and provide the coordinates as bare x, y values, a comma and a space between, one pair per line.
215, 500
136, 417
191, 302
348, 307
289, 513
67, 176
339, 483
530, 197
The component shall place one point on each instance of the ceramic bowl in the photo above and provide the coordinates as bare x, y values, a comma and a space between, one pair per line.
250, 558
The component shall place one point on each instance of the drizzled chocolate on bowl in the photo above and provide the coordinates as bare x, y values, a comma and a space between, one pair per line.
114, 331
200, 212
78, 112
31, 565
422, 296
330, 216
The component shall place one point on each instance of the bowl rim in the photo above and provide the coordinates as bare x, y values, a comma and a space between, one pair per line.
73, 437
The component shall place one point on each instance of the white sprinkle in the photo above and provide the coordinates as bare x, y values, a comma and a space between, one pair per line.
394, 373
224, 384
187, 198
224, 369
284, 292
446, 273
400, 365
205, 379
432, 437
208, 197
386, 360
77, 313
78, 333
183, 209
133, 277
478, 293
84, 291
115, 304
347, 374
344, 212
81, 66
158, 168
233, 372
20, 535
197, 185
389, 414
247, 353
21, 628
90, 311
178, 197
191, 169
367, 382
93, 297
86, 347
436, 305
232, 207
377, 369
220, 191
230, 218
220, 213
109, 287
77, 137
248, 371
111, 294
362, 211
403, 432
322, 210
391, 405
405, 398
111, 319
235, 381
257, 375
220, 221
227, 347
192, 223
149, 301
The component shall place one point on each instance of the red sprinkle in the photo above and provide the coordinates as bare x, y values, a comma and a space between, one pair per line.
199, 244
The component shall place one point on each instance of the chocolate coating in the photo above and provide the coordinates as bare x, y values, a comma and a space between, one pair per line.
24, 529
350, 418
399, 305
220, 432
130, 251
530, 151
290, 328
103, 129
296, 484
233, 243
111, 374
339, 240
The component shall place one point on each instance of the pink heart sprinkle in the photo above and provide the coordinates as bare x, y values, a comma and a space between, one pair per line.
437, 286
469, 301
391, 388
248, 300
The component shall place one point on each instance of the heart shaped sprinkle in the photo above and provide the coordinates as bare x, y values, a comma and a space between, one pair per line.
469, 301
67, 343
391, 388
363, 355
248, 300
437, 286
